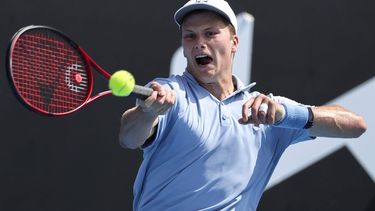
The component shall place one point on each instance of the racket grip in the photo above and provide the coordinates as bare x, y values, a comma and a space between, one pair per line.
142, 91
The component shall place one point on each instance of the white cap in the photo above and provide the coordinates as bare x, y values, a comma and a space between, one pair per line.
219, 6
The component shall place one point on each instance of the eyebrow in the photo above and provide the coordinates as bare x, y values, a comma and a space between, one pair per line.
205, 29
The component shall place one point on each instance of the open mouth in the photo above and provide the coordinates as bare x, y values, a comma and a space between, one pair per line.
203, 59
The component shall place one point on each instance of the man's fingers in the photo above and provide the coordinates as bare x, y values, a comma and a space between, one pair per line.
263, 108
246, 111
259, 110
151, 99
262, 112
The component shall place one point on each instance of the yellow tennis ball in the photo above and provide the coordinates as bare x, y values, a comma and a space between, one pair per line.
121, 83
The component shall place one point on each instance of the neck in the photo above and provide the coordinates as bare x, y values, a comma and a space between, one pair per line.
220, 90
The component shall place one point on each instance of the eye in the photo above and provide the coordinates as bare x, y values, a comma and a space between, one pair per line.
189, 36
210, 33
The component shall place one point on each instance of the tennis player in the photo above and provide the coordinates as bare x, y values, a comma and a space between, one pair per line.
209, 143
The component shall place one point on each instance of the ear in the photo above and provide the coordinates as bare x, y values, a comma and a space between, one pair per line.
235, 42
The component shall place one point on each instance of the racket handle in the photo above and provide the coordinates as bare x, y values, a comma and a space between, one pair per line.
142, 91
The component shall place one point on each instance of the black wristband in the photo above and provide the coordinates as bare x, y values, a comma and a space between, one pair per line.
310, 120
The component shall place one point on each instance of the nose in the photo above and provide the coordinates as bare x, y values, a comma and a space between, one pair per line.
200, 43
200, 46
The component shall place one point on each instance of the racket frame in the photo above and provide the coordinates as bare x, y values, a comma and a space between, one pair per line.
87, 59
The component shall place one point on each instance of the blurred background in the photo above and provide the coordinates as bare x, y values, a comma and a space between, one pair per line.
315, 52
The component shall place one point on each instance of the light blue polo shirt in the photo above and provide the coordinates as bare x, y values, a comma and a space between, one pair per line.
203, 159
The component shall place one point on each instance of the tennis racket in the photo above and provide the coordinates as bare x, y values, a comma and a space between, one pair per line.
51, 74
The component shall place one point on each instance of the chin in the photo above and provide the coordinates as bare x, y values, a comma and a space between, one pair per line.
203, 72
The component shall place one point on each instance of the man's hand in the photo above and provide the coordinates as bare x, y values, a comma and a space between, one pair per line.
159, 102
261, 110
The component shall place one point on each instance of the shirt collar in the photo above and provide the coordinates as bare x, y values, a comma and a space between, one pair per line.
239, 84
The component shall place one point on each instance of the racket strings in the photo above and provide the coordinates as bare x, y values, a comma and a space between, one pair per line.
49, 73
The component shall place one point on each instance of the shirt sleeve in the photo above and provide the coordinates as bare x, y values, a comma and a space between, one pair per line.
163, 122
293, 135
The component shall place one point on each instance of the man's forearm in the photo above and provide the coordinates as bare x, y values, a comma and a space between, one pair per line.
136, 127
336, 121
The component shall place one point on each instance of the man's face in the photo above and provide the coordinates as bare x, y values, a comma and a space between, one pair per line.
209, 47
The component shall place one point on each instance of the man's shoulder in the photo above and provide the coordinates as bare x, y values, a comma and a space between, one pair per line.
176, 82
